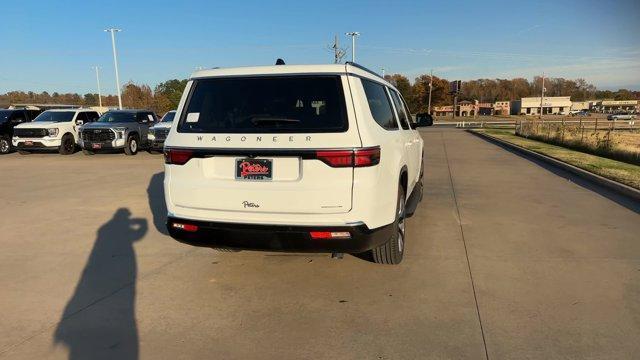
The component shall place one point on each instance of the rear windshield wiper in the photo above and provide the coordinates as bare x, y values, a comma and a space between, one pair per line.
260, 121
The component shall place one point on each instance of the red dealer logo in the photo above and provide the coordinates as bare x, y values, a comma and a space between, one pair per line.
254, 169
247, 168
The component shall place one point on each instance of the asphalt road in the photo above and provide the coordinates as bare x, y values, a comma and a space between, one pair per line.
505, 258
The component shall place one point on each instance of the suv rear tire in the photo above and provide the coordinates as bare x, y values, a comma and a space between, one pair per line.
67, 145
392, 251
132, 145
5, 146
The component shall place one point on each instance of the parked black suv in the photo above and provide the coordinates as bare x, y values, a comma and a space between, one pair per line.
118, 130
10, 118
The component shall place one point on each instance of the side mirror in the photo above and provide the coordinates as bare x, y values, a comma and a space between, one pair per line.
424, 119
79, 122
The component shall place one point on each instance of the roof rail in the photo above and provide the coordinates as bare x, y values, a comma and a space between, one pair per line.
364, 68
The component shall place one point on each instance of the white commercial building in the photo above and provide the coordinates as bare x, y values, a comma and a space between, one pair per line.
583, 105
552, 105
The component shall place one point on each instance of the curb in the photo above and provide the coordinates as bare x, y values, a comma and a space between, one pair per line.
613, 185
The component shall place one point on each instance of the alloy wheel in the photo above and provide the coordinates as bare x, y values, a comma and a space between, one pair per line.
401, 225
4, 146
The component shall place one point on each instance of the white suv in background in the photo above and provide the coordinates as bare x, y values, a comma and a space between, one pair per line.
53, 130
303, 158
158, 132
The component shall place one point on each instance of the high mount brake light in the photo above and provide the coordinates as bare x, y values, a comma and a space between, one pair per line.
177, 156
350, 158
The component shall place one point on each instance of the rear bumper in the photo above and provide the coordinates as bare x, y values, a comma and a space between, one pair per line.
278, 237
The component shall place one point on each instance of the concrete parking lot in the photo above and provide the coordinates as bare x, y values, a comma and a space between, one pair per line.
506, 259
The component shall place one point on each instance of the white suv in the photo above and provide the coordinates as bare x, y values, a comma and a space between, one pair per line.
303, 158
53, 130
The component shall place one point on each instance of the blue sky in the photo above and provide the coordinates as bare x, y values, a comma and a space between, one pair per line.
52, 45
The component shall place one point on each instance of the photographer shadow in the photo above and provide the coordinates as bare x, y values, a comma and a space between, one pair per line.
99, 320
155, 194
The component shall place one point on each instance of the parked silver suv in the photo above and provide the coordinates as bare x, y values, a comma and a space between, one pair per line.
118, 129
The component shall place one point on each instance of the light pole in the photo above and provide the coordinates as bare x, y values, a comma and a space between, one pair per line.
98, 80
542, 96
353, 35
430, 90
115, 62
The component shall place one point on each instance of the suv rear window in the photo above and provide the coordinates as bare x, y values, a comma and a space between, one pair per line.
269, 104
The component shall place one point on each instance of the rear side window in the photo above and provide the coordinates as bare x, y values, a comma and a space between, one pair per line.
82, 116
290, 104
379, 105
404, 121
91, 116
33, 113
18, 115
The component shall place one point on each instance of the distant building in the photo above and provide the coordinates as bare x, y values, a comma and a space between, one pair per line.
446, 110
485, 109
587, 105
473, 108
610, 106
465, 108
502, 108
552, 105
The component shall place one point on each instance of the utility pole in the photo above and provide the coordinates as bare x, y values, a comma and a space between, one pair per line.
353, 35
455, 104
115, 62
338, 53
430, 90
542, 96
98, 80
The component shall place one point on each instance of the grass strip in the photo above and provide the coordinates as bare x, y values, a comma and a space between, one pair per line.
619, 171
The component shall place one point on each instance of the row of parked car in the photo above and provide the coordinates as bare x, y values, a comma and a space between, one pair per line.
67, 130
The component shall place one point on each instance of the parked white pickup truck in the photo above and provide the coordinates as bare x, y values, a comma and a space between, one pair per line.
52, 130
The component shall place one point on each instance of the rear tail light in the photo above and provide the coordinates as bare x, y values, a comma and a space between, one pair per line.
177, 156
350, 158
185, 227
336, 158
367, 156
320, 235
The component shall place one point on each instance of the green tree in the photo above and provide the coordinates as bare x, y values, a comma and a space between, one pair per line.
137, 96
168, 94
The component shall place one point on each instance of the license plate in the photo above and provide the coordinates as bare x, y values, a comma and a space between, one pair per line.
254, 169
28, 143
96, 146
